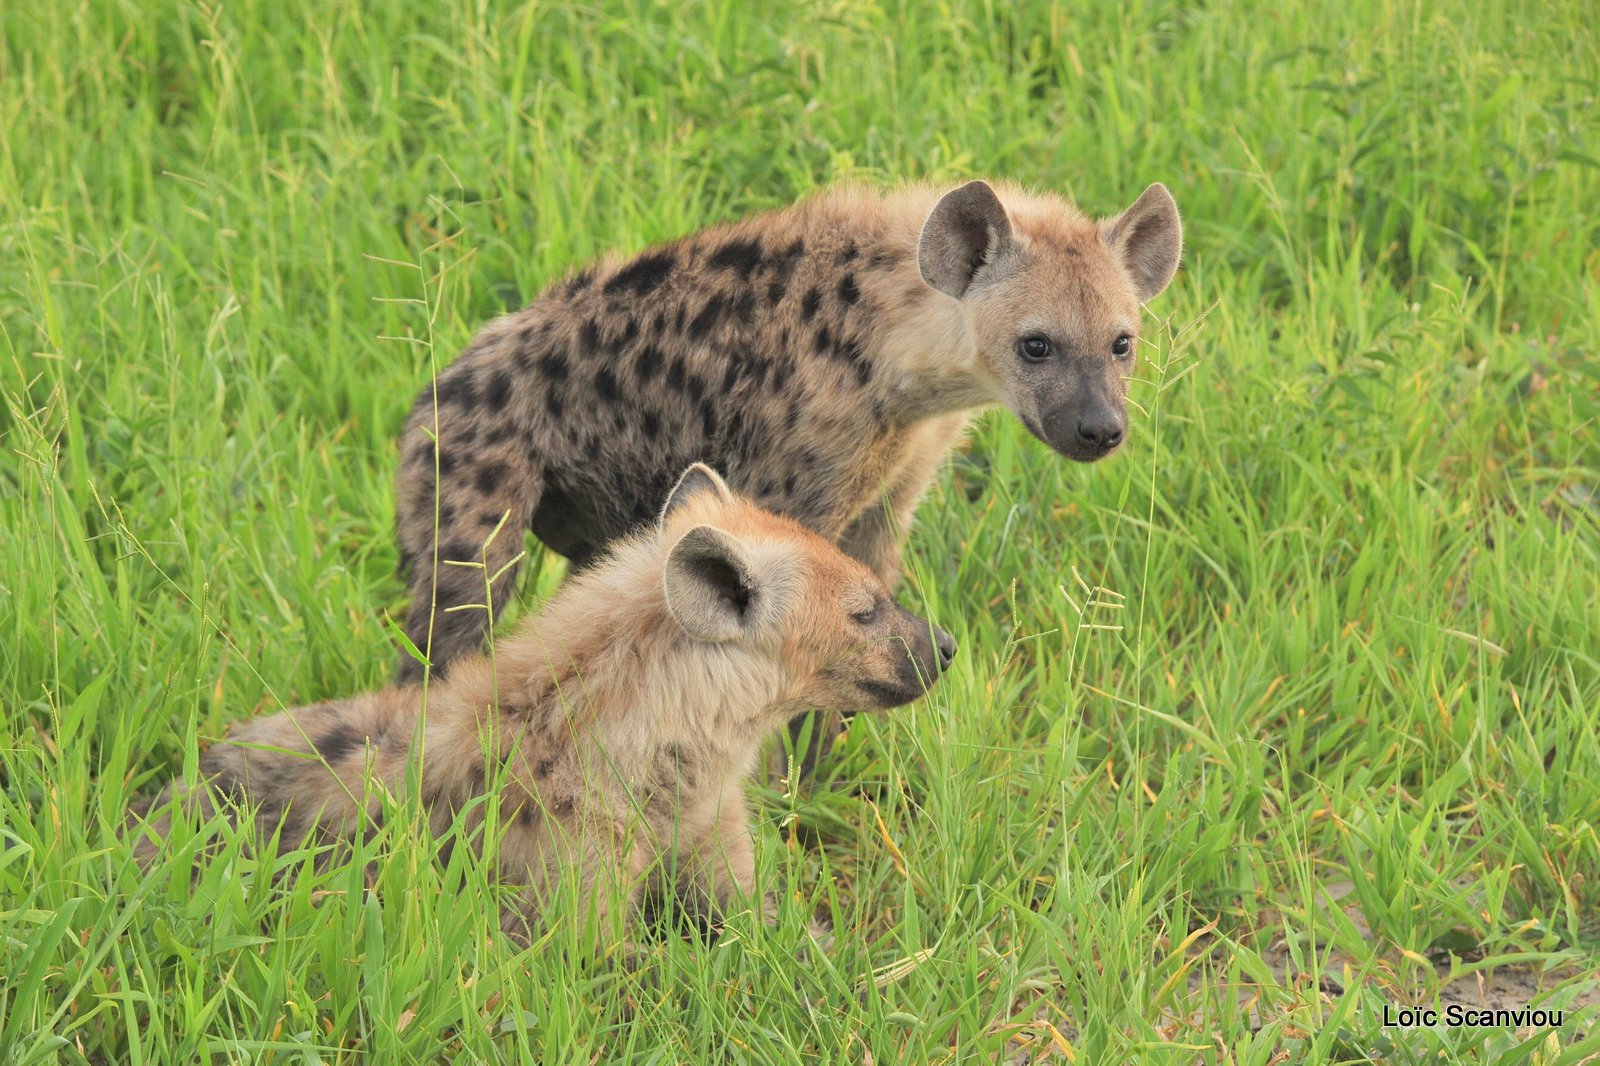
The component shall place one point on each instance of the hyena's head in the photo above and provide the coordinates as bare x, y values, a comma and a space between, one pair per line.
1053, 300
738, 574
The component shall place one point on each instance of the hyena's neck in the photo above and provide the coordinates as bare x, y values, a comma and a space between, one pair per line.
607, 669
919, 340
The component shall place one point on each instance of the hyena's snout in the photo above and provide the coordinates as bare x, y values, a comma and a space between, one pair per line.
912, 657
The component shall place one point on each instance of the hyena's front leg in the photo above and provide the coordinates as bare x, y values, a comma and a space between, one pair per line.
719, 871
876, 537
466, 494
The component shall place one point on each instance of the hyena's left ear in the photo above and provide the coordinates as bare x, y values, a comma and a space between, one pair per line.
1149, 238
695, 480
711, 590
966, 229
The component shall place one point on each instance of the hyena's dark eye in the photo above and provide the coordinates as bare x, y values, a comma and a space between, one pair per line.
1034, 348
866, 617
1122, 347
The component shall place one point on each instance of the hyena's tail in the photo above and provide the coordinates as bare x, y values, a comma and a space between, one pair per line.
307, 769
468, 487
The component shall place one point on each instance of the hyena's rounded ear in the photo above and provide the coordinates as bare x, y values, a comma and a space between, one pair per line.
710, 590
697, 479
967, 228
1149, 239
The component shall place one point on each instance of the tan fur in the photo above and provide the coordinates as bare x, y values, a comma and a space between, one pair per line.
617, 744
805, 353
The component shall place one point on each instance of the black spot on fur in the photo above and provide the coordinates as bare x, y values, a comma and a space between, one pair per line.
605, 384
648, 363
528, 815
475, 780
589, 336
545, 768
488, 478
460, 551
789, 485
554, 366
337, 742
695, 386
809, 306
775, 291
592, 449
630, 330
500, 433
447, 514
849, 252
499, 390
523, 355
456, 388
702, 323
848, 293
651, 425
563, 806
554, 404
730, 377
658, 324
824, 341
744, 308
851, 350
487, 520
579, 282
708, 419
780, 376
644, 275
447, 462
741, 254
675, 375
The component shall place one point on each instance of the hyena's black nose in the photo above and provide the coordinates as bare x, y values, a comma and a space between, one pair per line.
947, 648
1102, 432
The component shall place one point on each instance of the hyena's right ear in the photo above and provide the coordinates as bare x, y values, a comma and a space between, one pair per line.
966, 229
695, 480
711, 591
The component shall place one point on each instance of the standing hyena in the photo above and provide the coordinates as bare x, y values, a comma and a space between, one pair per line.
825, 358
617, 726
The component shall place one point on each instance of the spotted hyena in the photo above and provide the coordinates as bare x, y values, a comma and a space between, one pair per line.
615, 729
825, 357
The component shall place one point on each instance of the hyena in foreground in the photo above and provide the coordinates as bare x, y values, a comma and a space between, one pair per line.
825, 358
622, 720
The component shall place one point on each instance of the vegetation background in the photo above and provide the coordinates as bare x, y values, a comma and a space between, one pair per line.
1285, 714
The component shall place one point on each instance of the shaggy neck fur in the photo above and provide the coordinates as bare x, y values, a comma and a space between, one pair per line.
605, 664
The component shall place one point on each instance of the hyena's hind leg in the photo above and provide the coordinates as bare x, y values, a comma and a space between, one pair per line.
300, 771
467, 491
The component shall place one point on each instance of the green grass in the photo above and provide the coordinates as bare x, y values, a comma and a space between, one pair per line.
1324, 739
